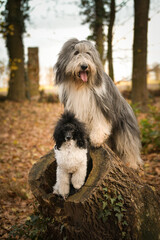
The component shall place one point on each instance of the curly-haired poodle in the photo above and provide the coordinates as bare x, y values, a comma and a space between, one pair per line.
70, 153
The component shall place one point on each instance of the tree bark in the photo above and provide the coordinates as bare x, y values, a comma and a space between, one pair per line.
113, 204
139, 74
98, 29
110, 38
14, 43
33, 73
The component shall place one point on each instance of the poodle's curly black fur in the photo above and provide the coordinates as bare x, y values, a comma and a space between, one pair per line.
69, 127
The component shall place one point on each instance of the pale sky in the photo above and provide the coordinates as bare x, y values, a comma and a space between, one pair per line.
52, 22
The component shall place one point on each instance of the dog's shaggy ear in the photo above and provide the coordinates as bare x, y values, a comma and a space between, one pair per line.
96, 59
81, 135
58, 136
63, 59
81, 141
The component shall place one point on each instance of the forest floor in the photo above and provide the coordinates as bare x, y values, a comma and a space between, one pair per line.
26, 135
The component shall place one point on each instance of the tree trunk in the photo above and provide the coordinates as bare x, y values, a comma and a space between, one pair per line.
139, 74
33, 73
110, 38
98, 30
14, 43
113, 204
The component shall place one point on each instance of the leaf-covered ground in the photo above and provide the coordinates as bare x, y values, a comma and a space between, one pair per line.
26, 135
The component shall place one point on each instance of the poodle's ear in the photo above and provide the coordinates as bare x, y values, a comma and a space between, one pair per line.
81, 142
58, 137
58, 144
81, 136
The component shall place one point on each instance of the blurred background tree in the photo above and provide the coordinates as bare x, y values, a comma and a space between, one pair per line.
101, 14
94, 12
139, 74
111, 17
15, 15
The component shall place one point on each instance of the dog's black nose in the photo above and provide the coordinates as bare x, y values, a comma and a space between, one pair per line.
84, 66
68, 138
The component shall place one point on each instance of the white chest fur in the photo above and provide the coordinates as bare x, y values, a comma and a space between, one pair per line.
79, 100
71, 167
82, 102
70, 157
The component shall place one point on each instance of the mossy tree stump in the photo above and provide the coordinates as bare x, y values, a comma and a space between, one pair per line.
113, 203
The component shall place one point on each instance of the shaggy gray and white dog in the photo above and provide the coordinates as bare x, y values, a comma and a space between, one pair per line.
87, 91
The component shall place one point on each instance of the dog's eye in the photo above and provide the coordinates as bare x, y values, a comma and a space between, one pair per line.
88, 53
76, 53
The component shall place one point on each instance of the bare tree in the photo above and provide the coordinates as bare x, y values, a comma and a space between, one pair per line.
111, 20
94, 13
139, 74
98, 14
15, 14
98, 28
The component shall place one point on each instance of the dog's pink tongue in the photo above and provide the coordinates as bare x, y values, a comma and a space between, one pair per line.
83, 76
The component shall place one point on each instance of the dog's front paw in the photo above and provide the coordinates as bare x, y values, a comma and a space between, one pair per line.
61, 190
96, 140
96, 145
77, 182
77, 185
55, 189
64, 190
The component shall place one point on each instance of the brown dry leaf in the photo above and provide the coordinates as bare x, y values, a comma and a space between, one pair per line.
26, 131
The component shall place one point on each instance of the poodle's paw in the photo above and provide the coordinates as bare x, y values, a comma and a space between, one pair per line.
64, 190
61, 190
55, 189
77, 185
77, 182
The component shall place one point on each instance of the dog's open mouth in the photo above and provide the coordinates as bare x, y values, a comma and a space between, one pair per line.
83, 75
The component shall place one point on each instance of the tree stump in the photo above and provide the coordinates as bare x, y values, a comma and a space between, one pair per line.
113, 203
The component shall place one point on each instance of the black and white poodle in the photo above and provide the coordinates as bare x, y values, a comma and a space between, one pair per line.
70, 153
